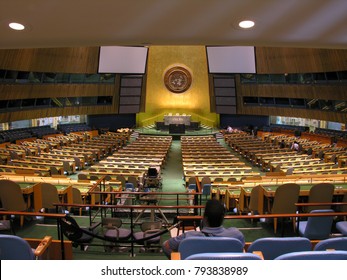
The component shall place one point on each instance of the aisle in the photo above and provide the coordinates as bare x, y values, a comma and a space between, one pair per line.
172, 173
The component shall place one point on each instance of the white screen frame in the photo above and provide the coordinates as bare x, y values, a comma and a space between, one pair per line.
119, 59
231, 59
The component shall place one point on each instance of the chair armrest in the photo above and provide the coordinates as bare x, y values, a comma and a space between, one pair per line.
43, 246
175, 256
259, 253
151, 231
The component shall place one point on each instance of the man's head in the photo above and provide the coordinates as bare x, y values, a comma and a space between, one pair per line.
214, 213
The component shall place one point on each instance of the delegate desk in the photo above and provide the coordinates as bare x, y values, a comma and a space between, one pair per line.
32, 191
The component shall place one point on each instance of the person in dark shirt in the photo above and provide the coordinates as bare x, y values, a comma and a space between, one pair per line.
282, 144
212, 226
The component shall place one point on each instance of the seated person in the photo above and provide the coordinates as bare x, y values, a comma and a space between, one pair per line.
295, 146
212, 226
282, 144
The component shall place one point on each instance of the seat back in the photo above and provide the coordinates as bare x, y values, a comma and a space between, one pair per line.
322, 192
54, 170
129, 187
151, 226
344, 207
192, 187
13, 247
96, 198
191, 180
111, 222
11, 196
314, 255
317, 227
133, 180
218, 179
82, 176
206, 189
205, 180
224, 256
76, 196
195, 245
272, 247
335, 243
254, 198
285, 198
152, 172
49, 194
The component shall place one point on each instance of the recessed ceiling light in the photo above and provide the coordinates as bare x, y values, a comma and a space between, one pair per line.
16, 26
246, 24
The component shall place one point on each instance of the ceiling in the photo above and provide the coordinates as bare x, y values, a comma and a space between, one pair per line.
68, 23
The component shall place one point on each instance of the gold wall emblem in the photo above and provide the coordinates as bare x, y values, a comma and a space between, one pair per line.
177, 79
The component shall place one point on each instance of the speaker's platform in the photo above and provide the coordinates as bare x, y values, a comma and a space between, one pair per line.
176, 135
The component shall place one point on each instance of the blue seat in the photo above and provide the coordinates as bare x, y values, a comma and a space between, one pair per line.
224, 256
206, 190
316, 227
342, 227
272, 247
212, 244
13, 247
129, 187
314, 255
335, 243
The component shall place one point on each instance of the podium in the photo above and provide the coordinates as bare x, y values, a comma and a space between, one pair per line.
177, 128
177, 119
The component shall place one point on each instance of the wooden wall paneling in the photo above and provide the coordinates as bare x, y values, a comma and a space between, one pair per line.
53, 112
292, 112
291, 91
60, 60
54, 90
332, 92
271, 60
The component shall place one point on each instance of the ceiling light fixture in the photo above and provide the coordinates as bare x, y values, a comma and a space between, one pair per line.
16, 26
246, 24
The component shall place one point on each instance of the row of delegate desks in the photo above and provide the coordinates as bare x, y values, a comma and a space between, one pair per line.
268, 192
77, 159
242, 194
30, 186
225, 175
229, 192
280, 158
43, 171
302, 166
114, 173
321, 170
42, 162
71, 162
